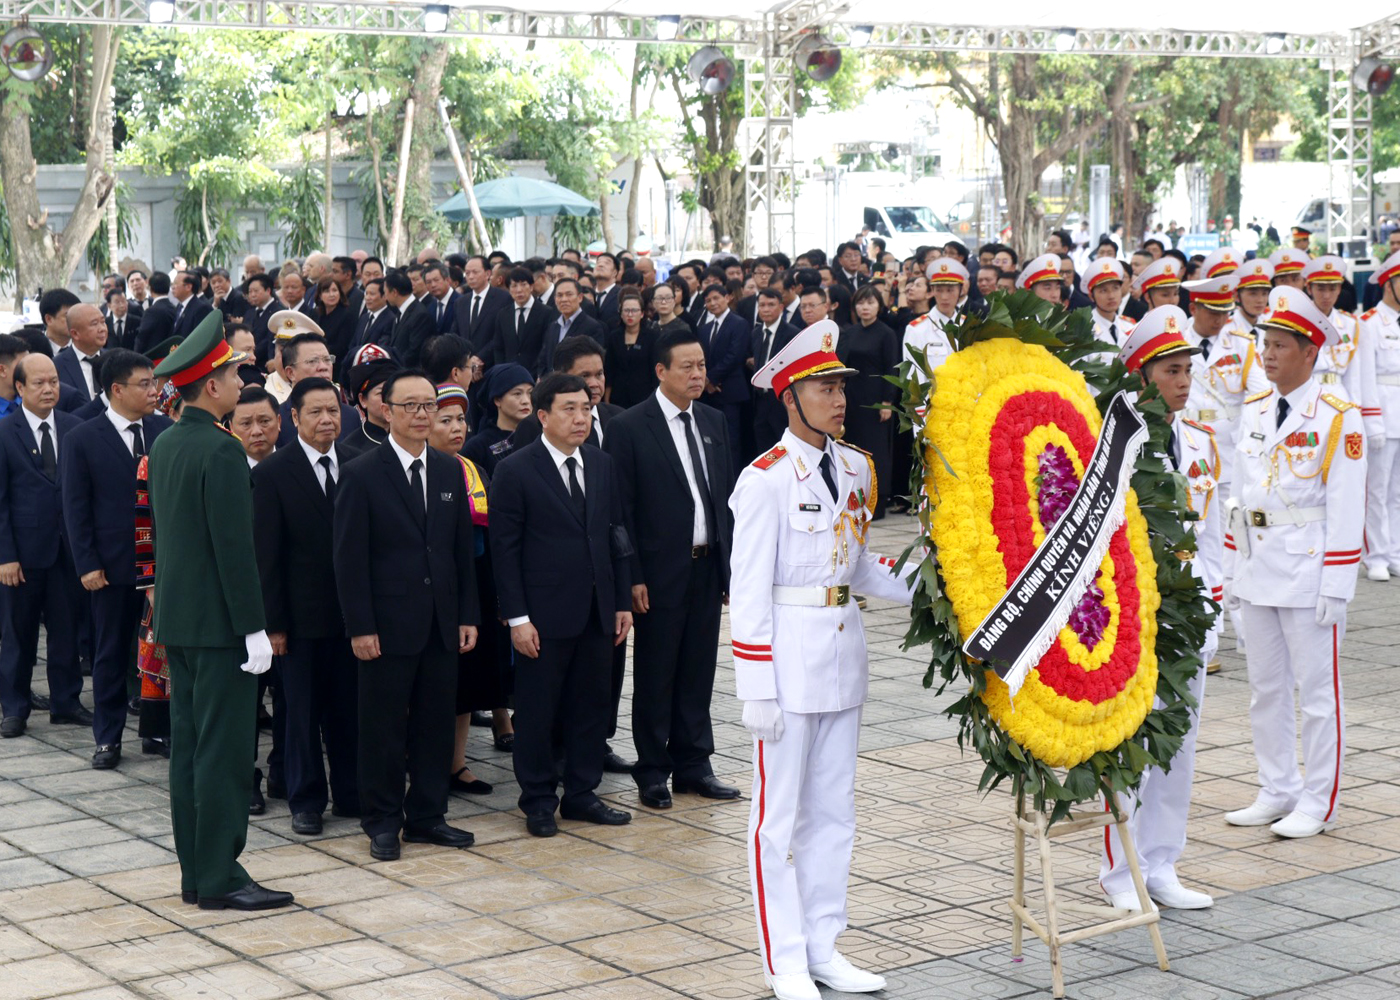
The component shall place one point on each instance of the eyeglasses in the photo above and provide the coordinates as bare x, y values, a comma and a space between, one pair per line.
144, 385
325, 359
416, 408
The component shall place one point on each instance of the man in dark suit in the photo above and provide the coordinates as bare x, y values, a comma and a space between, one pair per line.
847, 270
293, 507
78, 363
36, 564
563, 587
307, 356
605, 291
343, 272
571, 322
190, 306
227, 299
262, 304
728, 346
519, 329
376, 321
674, 474
123, 321
98, 472
158, 321
416, 322
770, 335
442, 298
403, 548
479, 305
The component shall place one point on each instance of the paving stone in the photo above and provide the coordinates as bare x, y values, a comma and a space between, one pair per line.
1252, 969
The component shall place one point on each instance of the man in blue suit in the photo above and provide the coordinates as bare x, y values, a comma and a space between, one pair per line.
77, 363
36, 566
97, 471
190, 306
441, 298
572, 321
728, 347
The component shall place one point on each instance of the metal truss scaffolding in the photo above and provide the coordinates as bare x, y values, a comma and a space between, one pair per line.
770, 99
1348, 160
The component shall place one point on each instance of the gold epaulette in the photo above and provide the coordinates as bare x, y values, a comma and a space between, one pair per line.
1200, 427
1336, 403
1259, 395
847, 444
1369, 313
771, 458
1347, 314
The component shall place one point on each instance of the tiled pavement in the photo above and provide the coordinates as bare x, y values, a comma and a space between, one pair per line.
660, 909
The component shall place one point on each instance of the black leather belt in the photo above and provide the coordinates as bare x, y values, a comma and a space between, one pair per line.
699, 551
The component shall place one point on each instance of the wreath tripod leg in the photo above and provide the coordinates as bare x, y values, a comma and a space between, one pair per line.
1125, 836
1018, 889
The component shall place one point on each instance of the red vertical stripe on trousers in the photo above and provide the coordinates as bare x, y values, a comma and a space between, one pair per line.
758, 865
1107, 840
1337, 708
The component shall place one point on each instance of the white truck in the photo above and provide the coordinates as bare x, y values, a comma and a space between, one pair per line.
833, 210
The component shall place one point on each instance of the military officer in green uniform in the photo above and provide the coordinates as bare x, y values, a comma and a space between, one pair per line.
209, 615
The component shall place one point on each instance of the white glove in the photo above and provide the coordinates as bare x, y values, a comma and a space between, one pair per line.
259, 653
1330, 611
1229, 601
1375, 444
764, 719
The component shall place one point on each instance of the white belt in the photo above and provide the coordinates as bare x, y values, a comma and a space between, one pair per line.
1206, 414
813, 597
1298, 515
1388, 380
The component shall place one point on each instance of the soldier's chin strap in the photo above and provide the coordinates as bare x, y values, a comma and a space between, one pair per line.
797, 402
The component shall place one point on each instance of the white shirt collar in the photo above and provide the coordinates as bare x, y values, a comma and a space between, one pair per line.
717, 320
35, 421
405, 459
121, 424
252, 462
670, 410
812, 456
558, 457
314, 457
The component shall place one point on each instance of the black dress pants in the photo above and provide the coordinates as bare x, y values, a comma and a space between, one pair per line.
673, 677
116, 614
320, 700
55, 594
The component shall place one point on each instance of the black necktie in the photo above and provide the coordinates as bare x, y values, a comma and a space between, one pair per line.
1282, 412
575, 490
1206, 343
415, 481
325, 462
476, 309
1113, 332
179, 311
119, 330
442, 308
519, 320
46, 452
1174, 446
138, 446
763, 334
711, 328
711, 533
828, 476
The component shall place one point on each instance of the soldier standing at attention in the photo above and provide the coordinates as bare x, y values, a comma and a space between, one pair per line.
801, 512
209, 616
1380, 345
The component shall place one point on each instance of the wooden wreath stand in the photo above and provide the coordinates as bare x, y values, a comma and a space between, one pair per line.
1114, 919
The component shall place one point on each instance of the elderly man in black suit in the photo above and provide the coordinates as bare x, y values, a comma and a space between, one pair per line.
479, 302
571, 322
97, 469
123, 320
675, 476
262, 303
403, 552
559, 554
293, 509
158, 321
771, 334
36, 564
78, 363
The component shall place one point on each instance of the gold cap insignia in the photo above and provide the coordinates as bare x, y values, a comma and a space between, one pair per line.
1170, 326
1283, 302
826, 342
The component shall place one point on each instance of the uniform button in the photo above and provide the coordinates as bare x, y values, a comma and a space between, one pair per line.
1312, 552
427, 581
1260, 537
809, 527
841, 627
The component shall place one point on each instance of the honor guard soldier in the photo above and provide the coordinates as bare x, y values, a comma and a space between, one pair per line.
801, 513
1253, 279
1102, 283
284, 325
209, 616
1380, 342
1342, 369
947, 281
1302, 238
1159, 284
1288, 265
1159, 351
1042, 276
1221, 262
1291, 550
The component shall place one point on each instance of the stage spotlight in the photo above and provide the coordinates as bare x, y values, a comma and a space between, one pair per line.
818, 57
861, 35
435, 17
1273, 43
1373, 76
667, 27
160, 11
711, 70
1066, 40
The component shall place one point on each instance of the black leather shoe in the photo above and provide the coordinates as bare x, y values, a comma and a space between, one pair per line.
707, 787
474, 787
12, 726
541, 825
257, 805
275, 789
614, 764
307, 823
39, 702
133, 707
78, 717
189, 896
505, 742
384, 847
157, 746
107, 756
345, 812
598, 812
480, 718
442, 835
655, 796
251, 897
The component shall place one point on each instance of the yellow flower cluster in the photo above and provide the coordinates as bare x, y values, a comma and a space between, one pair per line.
972, 387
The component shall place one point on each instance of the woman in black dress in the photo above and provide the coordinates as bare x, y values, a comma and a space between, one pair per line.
663, 304
505, 399
629, 355
334, 317
870, 347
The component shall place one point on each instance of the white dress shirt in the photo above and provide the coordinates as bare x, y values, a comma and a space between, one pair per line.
314, 457
86, 368
699, 527
35, 420
405, 459
122, 424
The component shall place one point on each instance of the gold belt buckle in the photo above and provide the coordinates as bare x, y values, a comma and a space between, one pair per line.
1330, 378
838, 597
1258, 519
1207, 416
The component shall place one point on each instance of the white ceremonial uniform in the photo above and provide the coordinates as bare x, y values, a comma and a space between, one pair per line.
1158, 818
1222, 376
926, 333
788, 533
1300, 485
1380, 344
1344, 369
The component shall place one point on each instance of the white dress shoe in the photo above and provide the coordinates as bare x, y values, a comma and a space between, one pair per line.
841, 975
1377, 573
1125, 901
1176, 896
1394, 569
1258, 814
793, 986
1300, 824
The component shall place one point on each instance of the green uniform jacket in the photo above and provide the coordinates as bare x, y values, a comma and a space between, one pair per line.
207, 591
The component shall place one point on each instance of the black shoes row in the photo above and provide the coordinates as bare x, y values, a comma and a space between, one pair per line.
14, 725
385, 846
250, 897
658, 796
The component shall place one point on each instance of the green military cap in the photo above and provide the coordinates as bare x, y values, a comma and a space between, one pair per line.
159, 353
201, 353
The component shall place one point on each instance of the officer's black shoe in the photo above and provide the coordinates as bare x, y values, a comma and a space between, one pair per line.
39, 702
442, 835
276, 787
598, 812
655, 796
384, 847
541, 825
257, 805
107, 757
12, 726
155, 745
707, 787
251, 897
78, 717
306, 824
614, 764
189, 896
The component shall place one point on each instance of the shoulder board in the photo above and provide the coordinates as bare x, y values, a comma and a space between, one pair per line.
1347, 314
770, 459
847, 444
1337, 403
1259, 395
1200, 427
1369, 313
227, 431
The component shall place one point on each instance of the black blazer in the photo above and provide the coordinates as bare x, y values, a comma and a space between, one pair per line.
97, 474
657, 505
783, 333
131, 326
70, 371
548, 564
582, 324
397, 577
292, 534
484, 328
70, 400
338, 327
375, 329
157, 324
412, 331
196, 308
528, 430
31, 508
235, 306
506, 347
287, 432
255, 319
607, 307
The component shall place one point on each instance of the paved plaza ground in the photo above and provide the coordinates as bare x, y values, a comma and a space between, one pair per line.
89, 903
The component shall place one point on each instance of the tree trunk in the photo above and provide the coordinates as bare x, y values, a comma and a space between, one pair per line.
329, 193
45, 258
427, 138
721, 189
372, 138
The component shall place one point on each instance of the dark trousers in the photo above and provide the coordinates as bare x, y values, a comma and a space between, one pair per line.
565, 688
211, 724
406, 711
56, 594
116, 613
320, 688
276, 756
619, 672
673, 676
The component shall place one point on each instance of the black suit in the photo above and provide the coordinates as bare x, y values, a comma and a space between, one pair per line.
560, 568
97, 471
157, 324
673, 662
407, 576
122, 333
608, 309
580, 325
255, 319
287, 432
493, 302
372, 329
528, 429
235, 306
70, 370
292, 533
32, 534
769, 416
414, 328
506, 346
196, 308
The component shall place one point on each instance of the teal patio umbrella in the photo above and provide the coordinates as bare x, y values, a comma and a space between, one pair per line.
512, 197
